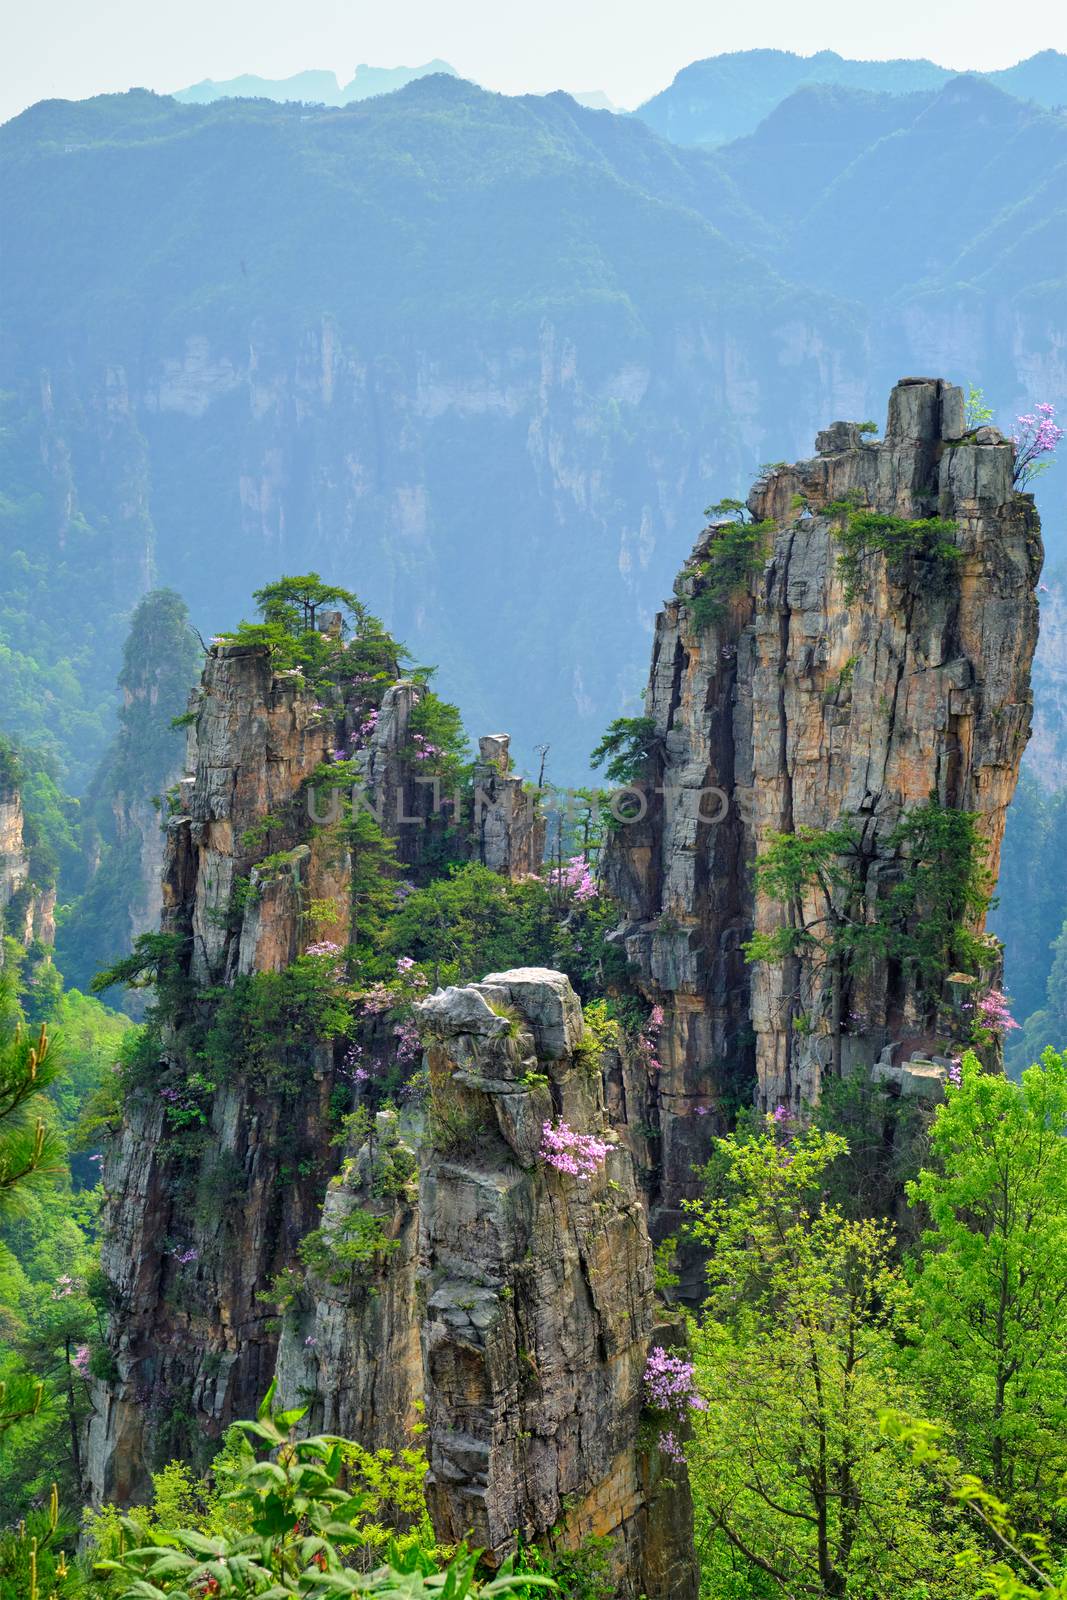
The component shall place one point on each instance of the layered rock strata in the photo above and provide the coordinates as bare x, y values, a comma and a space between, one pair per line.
27, 909
537, 1291
815, 700
198, 1228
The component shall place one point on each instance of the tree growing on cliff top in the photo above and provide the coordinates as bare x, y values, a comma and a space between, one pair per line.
295, 602
290, 609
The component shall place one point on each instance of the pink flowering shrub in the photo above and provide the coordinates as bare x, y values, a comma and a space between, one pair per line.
648, 1041
993, 1012
670, 1388
579, 1155
359, 739
575, 879
1037, 435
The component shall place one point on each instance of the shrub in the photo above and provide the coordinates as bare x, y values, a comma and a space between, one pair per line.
736, 556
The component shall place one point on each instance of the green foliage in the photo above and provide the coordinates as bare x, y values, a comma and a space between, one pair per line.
294, 1520
922, 546
925, 920
929, 916
1030, 1567
795, 1364
436, 726
992, 1289
362, 652
372, 888
293, 603
628, 747
664, 1261
153, 962
266, 1021
473, 921
796, 869
344, 1250
728, 508
886, 1144
976, 414
737, 555
29, 1151
585, 1573
50, 818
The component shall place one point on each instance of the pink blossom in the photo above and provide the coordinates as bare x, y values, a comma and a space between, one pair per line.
993, 1010
575, 877
1037, 434
325, 947
80, 1360
648, 1040
579, 1155
64, 1286
408, 1042
377, 999
669, 1383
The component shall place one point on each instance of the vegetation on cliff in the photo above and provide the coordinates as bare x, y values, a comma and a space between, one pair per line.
816, 1340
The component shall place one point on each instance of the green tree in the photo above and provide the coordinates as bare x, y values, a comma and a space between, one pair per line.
812, 874
795, 1361
929, 916
295, 602
29, 1150
627, 747
993, 1286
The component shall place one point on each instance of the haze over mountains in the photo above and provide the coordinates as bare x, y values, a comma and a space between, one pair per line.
708, 102
724, 97
321, 88
485, 359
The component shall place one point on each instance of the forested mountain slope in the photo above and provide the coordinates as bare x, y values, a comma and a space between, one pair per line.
727, 96
488, 357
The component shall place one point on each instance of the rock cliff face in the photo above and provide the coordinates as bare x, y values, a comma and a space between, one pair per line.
805, 706
536, 1289
27, 911
212, 1184
515, 1299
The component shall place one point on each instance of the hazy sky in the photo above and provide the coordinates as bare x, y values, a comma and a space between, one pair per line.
628, 48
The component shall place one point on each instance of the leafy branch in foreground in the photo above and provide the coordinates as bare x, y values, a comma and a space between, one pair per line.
300, 1523
1025, 1572
29, 1150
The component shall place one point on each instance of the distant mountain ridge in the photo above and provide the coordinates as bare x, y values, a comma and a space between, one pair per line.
483, 358
312, 88
727, 96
